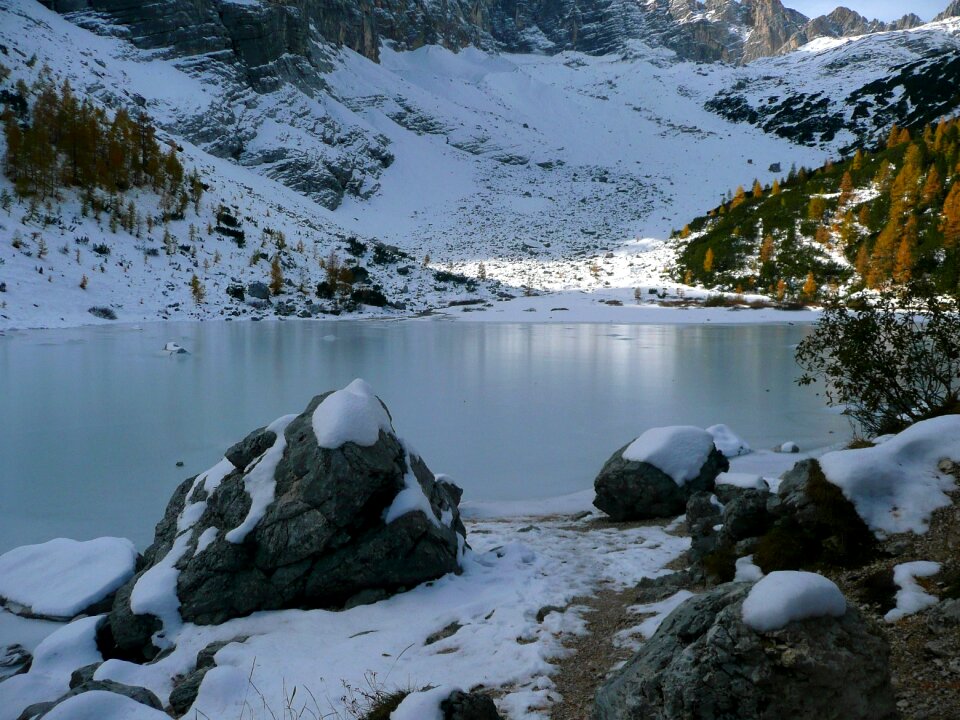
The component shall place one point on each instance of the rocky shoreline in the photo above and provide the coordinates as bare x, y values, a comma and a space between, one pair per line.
802, 596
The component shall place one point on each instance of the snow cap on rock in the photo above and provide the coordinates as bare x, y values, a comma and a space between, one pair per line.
353, 414
785, 596
678, 451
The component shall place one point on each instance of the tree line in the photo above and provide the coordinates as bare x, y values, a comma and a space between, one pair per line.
875, 220
55, 140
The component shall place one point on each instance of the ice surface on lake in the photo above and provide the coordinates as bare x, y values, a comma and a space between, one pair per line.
511, 411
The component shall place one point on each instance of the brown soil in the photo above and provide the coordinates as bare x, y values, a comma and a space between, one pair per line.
925, 665
593, 654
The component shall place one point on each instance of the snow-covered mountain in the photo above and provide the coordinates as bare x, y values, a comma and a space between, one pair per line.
552, 169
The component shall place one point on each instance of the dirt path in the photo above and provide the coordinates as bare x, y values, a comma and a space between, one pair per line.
594, 654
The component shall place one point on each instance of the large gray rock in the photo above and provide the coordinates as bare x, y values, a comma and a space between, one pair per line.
746, 515
704, 514
811, 523
632, 490
704, 663
321, 540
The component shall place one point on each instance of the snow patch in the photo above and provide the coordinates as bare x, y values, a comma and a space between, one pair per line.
785, 596
260, 482
728, 442
205, 539
657, 612
746, 481
413, 499
62, 577
423, 705
746, 570
911, 598
155, 593
71, 647
678, 451
103, 705
896, 486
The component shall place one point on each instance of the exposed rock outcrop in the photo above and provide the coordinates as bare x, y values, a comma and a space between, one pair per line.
705, 662
308, 512
952, 10
273, 40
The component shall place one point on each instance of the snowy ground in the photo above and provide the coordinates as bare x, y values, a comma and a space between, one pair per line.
526, 556
516, 568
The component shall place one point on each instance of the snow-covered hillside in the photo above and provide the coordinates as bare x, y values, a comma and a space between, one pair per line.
553, 172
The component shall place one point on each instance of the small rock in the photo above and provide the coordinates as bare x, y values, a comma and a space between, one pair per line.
14, 659
449, 631
546, 610
469, 706
83, 675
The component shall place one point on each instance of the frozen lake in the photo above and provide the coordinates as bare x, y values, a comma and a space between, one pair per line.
95, 419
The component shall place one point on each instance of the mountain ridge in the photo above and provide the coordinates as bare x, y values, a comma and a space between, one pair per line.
259, 33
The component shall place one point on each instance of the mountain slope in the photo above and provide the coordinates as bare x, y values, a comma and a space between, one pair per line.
849, 92
536, 167
876, 219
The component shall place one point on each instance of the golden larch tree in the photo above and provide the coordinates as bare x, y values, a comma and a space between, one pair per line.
932, 187
276, 275
739, 197
766, 250
950, 222
708, 261
846, 188
903, 268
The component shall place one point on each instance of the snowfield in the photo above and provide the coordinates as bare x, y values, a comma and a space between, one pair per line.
516, 567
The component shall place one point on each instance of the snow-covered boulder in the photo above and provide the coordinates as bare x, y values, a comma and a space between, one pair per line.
100, 699
804, 654
63, 578
315, 510
656, 474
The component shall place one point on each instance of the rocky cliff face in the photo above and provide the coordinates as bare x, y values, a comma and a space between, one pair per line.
262, 63
953, 10
260, 35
